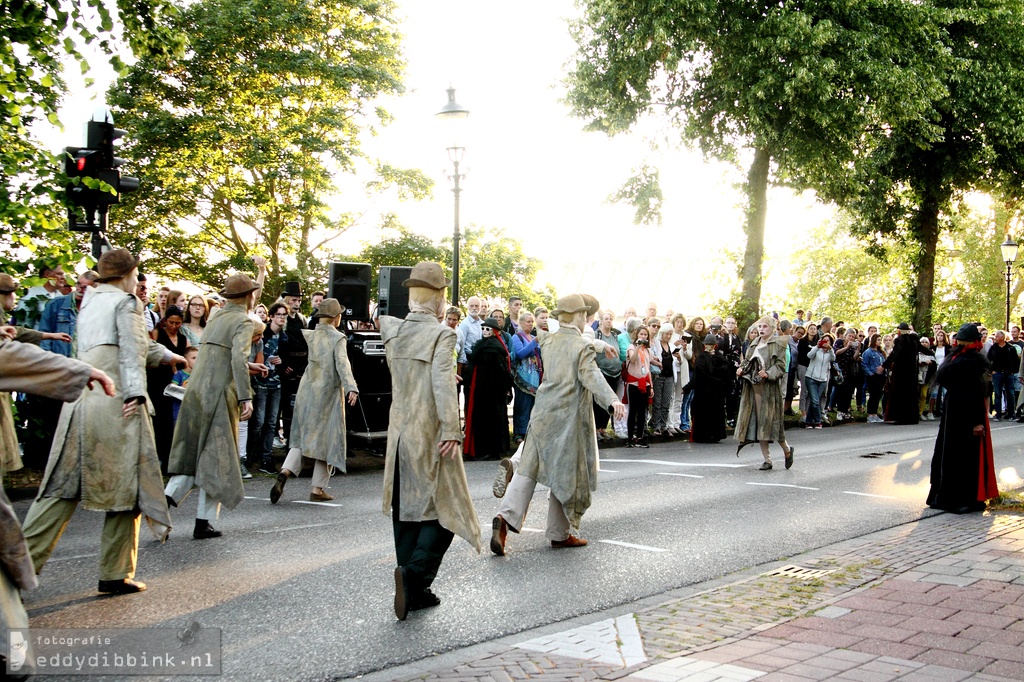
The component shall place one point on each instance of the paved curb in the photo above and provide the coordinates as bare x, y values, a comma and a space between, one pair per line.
941, 598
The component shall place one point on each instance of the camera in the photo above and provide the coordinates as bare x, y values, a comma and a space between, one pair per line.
643, 342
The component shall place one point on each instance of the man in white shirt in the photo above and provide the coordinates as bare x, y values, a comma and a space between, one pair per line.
470, 331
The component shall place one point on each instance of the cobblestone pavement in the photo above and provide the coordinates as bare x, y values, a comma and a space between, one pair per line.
938, 599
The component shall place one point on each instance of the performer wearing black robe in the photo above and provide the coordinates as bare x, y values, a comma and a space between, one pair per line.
712, 379
901, 406
488, 394
963, 471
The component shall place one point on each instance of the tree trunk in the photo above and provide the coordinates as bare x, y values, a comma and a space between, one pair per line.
928, 238
749, 306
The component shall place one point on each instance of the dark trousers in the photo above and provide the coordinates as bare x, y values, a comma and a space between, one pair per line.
419, 545
601, 415
732, 400
289, 387
876, 384
637, 412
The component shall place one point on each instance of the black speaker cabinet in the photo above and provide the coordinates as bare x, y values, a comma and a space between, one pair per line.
350, 284
392, 297
368, 418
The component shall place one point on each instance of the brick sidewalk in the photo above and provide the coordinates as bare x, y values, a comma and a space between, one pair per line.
938, 599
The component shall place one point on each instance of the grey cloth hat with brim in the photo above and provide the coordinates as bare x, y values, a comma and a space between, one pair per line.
8, 284
710, 340
238, 285
329, 307
592, 304
115, 264
573, 303
428, 275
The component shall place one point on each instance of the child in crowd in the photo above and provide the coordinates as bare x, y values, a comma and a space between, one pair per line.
180, 378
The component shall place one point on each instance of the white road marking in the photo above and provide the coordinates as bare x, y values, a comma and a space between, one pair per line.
532, 530
783, 485
884, 497
674, 464
632, 546
288, 528
265, 499
672, 473
77, 556
321, 504
607, 471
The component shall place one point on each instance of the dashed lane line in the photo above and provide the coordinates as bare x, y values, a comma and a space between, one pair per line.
672, 473
319, 504
632, 546
884, 497
783, 485
662, 462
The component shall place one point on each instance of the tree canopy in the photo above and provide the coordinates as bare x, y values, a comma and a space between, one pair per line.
238, 141
791, 89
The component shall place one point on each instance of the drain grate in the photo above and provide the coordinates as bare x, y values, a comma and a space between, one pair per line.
800, 572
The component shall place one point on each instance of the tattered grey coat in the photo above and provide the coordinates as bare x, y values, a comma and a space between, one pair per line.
560, 450
108, 461
424, 412
28, 369
761, 417
318, 425
206, 436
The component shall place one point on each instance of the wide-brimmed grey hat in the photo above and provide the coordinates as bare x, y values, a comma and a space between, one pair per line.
710, 340
592, 304
329, 307
429, 275
238, 285
115, 264
8, 284
573, 303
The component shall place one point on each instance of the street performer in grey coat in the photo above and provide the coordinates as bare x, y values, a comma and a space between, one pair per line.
26, 368
205, 448
425, 487
560, 450
103, 452
318, 423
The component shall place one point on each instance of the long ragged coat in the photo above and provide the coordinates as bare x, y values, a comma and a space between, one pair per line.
764, 421
97, 454
425, 412
560, 450
318, 425
206, 435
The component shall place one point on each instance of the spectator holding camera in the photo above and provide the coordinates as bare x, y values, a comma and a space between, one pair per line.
819, 366
638, 386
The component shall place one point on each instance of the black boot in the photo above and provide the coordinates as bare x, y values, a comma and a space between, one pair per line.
278, 489
204, 530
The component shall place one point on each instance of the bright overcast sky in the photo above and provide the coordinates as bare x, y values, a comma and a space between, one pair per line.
533, 172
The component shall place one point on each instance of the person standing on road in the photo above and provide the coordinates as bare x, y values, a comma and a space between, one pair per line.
103, 453
763, 373
295, 361
560, 450
425, 488
963, 472
903, 396
219, 395
318, 427
24, 368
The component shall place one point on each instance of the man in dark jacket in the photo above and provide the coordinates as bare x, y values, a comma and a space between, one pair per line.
1005, 363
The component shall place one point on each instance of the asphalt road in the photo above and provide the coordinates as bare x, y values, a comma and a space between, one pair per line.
304, 591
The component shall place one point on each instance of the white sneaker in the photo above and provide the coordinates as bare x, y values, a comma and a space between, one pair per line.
931, 417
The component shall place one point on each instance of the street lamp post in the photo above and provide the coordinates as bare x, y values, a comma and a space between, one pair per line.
1009, 249
453, 111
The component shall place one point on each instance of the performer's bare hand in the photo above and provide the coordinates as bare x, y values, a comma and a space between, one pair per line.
449, 448
458, 379
57, 336
246, 406
611, 352
130, 408
8, 331
619, 410
175, 360
763, 374
739, 372
106, 383
979, 430
352, 397
260, 262
879, 370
